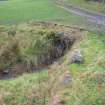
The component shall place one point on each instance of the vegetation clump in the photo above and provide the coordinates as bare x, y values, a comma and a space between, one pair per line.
33, 46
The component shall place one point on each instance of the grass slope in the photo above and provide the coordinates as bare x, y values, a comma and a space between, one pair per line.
93, 50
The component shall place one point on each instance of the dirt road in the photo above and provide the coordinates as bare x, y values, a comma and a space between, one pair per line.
93, 17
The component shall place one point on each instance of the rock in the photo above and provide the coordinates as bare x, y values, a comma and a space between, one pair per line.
12, 32
66, 78
77, 57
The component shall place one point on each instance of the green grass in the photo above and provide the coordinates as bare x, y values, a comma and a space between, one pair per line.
94, 6
17, 11
84, 92
25, 90
93, 50
20, 11
88, 85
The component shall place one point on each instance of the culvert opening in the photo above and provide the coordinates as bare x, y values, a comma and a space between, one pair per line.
34, 48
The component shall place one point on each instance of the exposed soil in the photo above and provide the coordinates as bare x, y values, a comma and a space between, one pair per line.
66, 37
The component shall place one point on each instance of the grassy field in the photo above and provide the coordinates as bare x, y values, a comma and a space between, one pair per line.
20, 11
94, 6
17, 11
